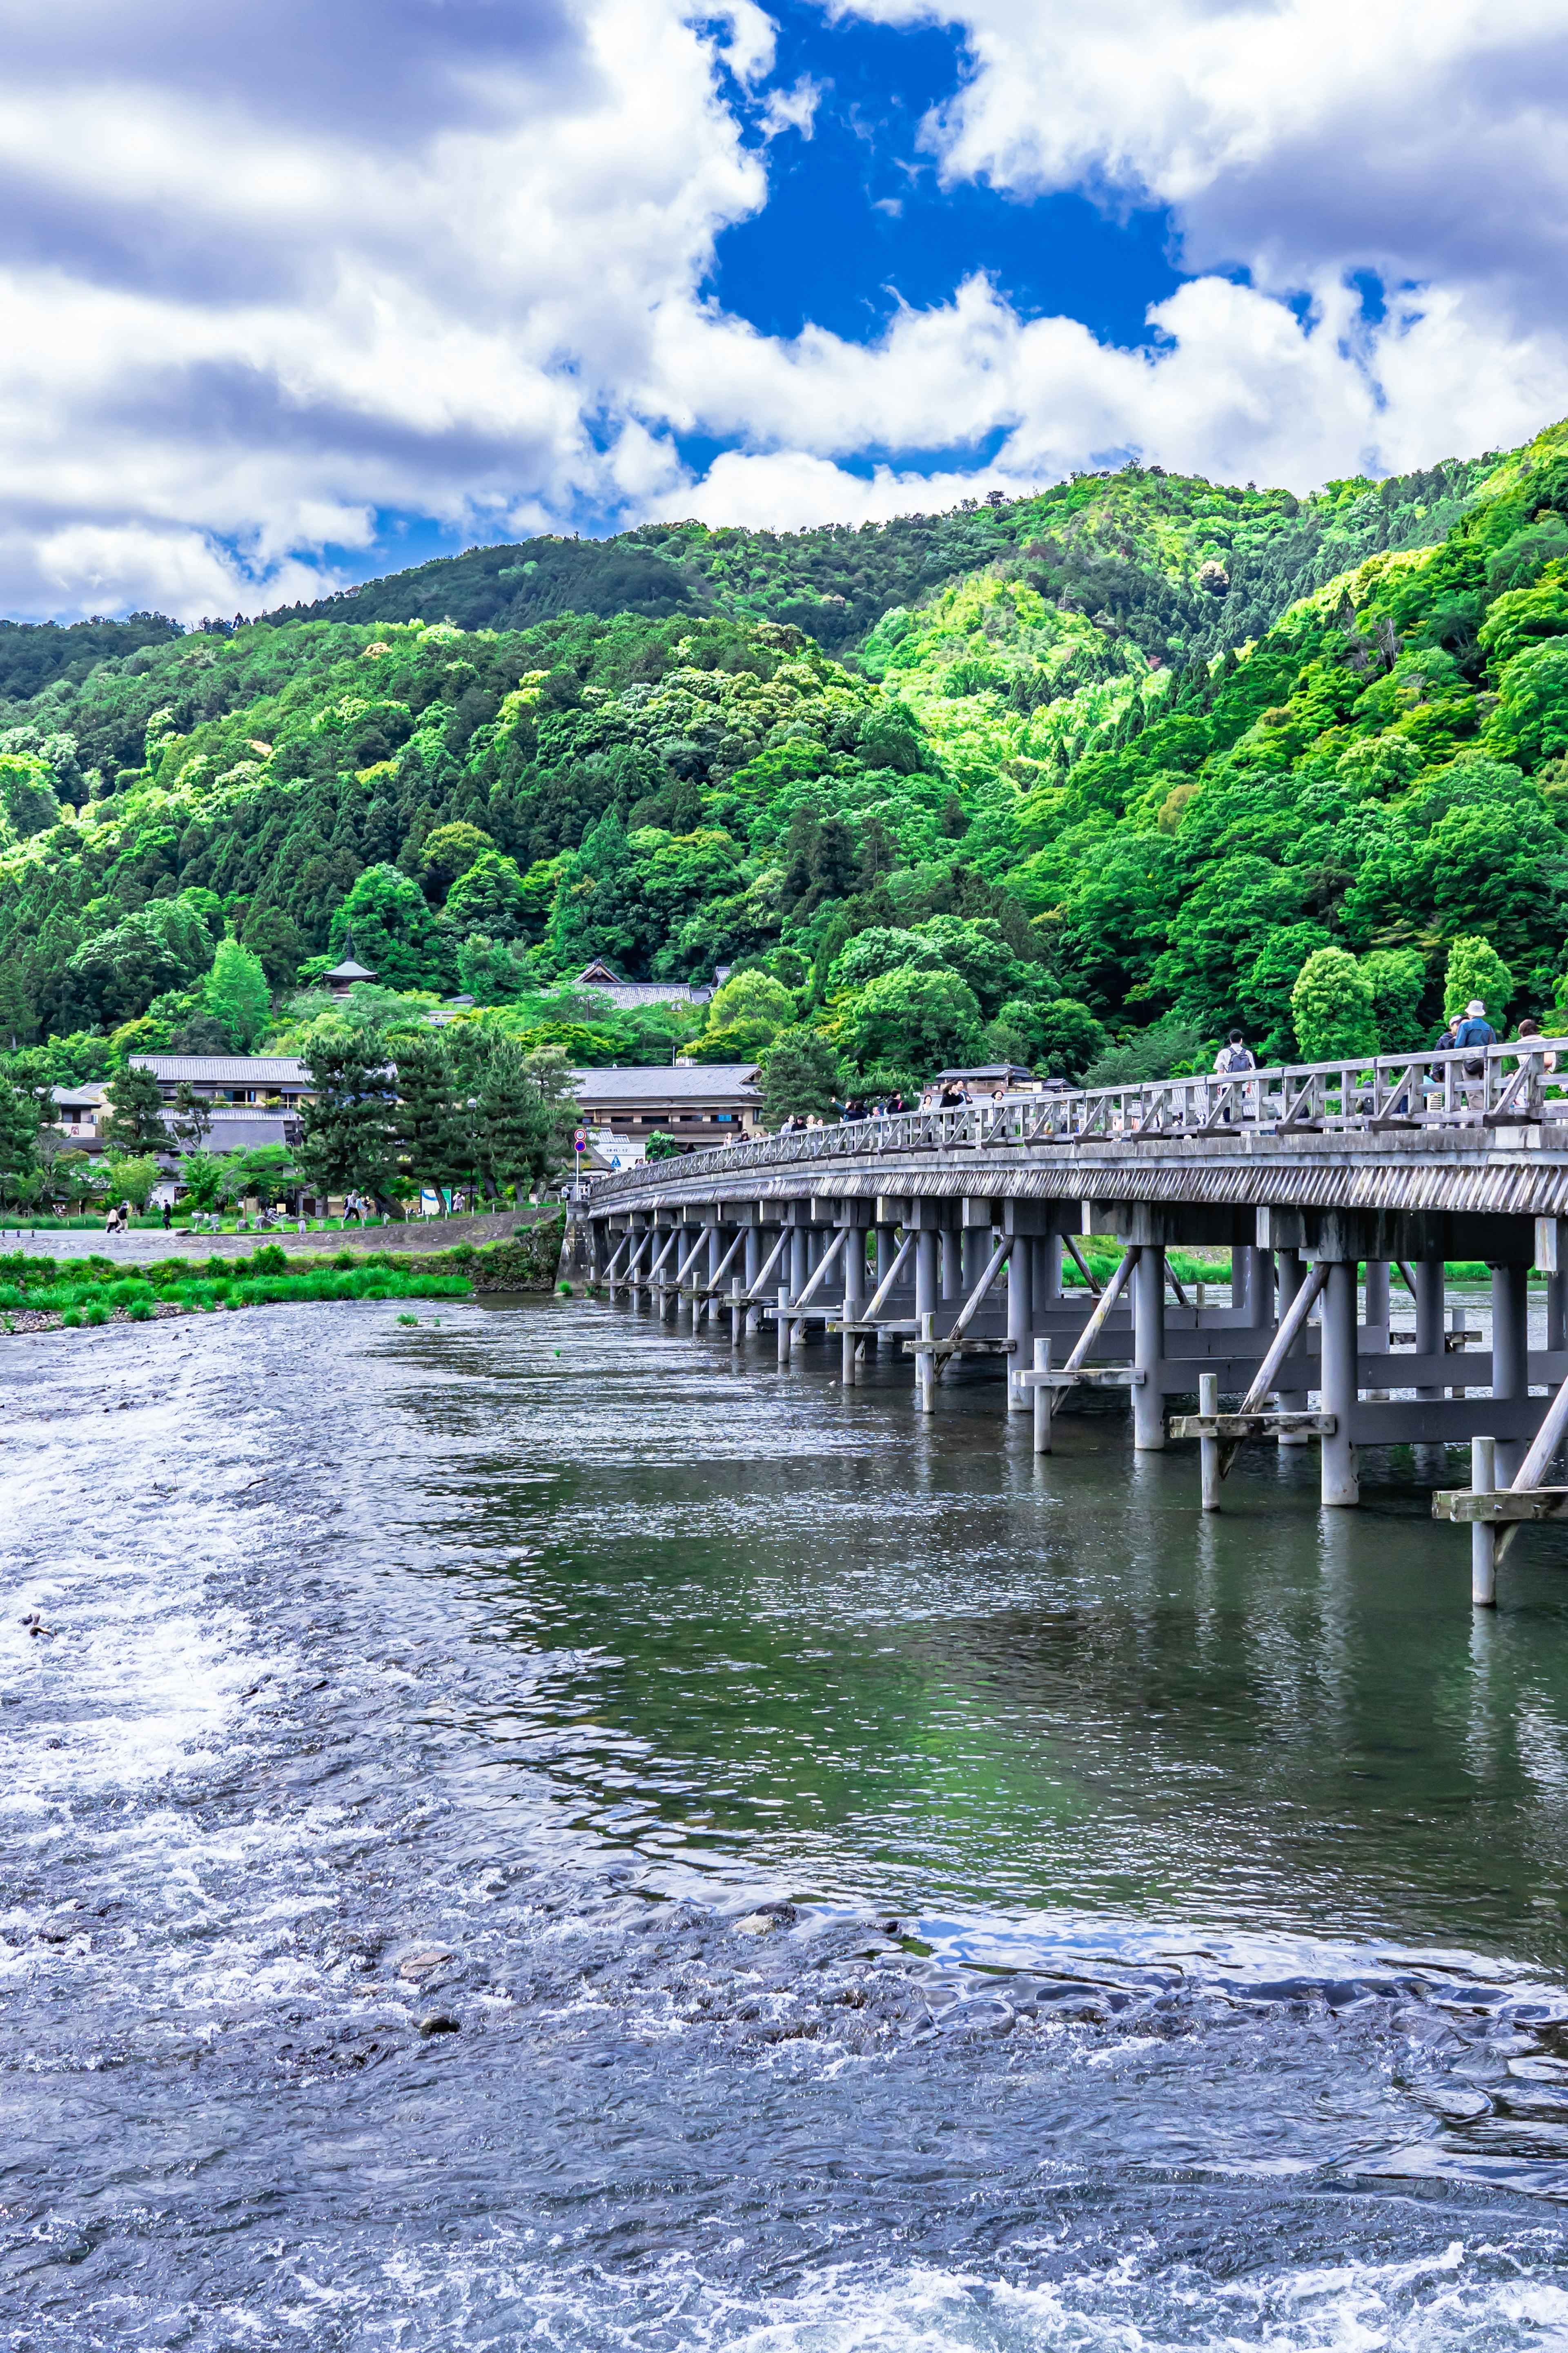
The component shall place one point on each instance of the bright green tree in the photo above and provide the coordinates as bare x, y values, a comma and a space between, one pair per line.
1332, 1006
130, 1178
744, 1017
236, 993
488, 896
201, 1174
1476, 969
392, 929
1055, 1034
881, 948
1530, 722
135, 1111
800, 1077
1398, 978
911, 1020
452, 851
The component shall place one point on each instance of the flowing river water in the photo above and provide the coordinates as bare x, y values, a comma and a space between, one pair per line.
1170, 1941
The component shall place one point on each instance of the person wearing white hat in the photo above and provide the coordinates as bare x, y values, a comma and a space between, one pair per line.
1476, 1032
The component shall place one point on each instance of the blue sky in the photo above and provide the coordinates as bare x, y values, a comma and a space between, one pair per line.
295, 297
856, 220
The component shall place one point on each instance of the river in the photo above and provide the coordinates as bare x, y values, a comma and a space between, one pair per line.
1170, 1938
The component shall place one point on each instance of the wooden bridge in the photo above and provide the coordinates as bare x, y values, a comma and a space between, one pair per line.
943, 1234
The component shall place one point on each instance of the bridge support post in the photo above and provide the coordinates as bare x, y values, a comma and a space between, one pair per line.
1020, 1322
975, 1248
783, 1324
1050, 1288
1208, 1448
1340, 1486
925, 1273
854, 1301
1149, 1347
799, 1276
1292, 1275
1483, 1533
1042, 1397
951, 1246
1428, 1274
753, 1271
1511, 1364
1377, 1311
925, 1367
1259, 1272
709, 1306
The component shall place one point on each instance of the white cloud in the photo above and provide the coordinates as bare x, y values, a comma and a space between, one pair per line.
793, 110
266, 281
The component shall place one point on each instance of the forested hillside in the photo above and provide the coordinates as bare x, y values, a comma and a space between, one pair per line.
1095, 772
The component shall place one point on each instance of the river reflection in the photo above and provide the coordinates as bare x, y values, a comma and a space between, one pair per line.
1167, 1941
891, 1665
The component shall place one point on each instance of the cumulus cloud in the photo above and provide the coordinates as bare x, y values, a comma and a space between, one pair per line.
268, 282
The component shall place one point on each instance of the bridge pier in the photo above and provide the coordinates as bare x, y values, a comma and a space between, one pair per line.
1429, 1274
1149, 1349
1340, 1486
1020, 1321
1292, 1274
1511, 1363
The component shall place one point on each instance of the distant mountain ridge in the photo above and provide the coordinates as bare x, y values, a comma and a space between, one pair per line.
1103, 768
1131, 545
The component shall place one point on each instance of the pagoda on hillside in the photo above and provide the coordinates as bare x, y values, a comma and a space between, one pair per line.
347, 975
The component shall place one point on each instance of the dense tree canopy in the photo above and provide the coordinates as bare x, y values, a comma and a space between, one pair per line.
1023, 782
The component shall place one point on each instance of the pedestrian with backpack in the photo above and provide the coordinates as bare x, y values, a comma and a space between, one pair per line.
1234, 1058
1473, 1036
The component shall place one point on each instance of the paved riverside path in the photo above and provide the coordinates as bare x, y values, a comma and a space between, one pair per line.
142, 1248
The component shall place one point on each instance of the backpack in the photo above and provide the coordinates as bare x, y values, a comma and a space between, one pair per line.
1236, 1060
1474, 1033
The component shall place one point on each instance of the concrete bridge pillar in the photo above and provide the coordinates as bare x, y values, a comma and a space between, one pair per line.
799, 1260
1020, 1321
1149, 1347
925, 1272
1292, 1274
1338, 1379
1428, 1274
1511, 1372
1259, 1268
949, 1251
854, 1299
1377, 1294
975, 1249
753, 1269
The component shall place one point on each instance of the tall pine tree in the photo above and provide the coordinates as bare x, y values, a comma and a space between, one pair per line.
349, 1131
433, 1147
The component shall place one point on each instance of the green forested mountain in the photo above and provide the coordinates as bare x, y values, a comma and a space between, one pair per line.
1039, 778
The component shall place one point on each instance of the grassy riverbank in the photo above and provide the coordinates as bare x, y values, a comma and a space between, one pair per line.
39, 1293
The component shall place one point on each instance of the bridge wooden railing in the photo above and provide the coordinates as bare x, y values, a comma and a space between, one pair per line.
1520, 1085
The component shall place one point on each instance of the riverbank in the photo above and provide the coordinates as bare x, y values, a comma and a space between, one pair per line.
415, 1237
41, 1293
